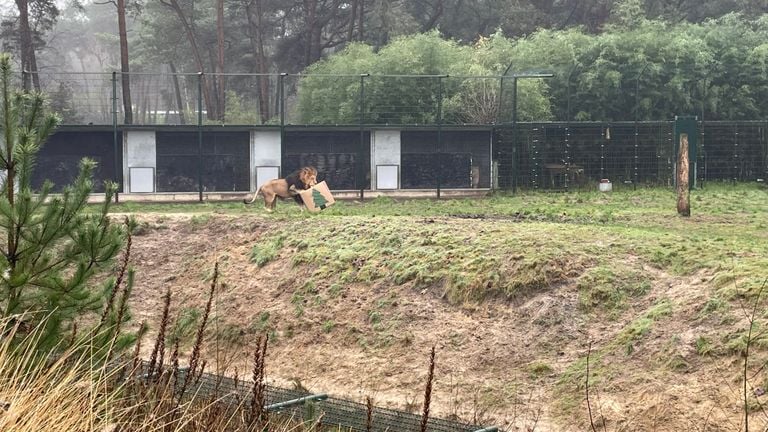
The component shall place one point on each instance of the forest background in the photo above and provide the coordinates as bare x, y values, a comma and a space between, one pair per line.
612, 59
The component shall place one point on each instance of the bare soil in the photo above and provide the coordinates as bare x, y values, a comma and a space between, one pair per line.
499, 362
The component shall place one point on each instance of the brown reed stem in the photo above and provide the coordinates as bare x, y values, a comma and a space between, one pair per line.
195, 357
259, 416
123, 307
160, 339
118, 281
73, 337
175, 365
428, 391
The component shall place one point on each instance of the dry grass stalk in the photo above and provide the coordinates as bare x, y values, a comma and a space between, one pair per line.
428, 391
586, 389
746, 353
136, 357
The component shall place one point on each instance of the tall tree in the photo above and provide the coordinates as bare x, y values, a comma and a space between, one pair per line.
220, 55
28, 61
255, 13
124, 69
210, 104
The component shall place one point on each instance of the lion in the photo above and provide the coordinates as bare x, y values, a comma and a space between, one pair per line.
290, 186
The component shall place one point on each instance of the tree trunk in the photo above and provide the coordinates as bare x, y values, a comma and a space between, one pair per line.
126, 78
255, 12
33, 67
683, 192
352, 17
27, 49
311, 31
434, 16
220, 58
360, 35
177, 91
209, 105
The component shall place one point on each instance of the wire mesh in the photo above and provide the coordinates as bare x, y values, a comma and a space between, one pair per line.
404, 100
471, 100
59, 159
733, 151
348, 415
79, 98
342, 158
448, 159
322, 100
562, 156
159, 99
225, 161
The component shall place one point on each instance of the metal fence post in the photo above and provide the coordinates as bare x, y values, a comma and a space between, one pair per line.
736, 173
703, 156
634, 181
604, 136
114, 134
438, 177
534, 161
200, 136
567, 154
281, 95
361, 152
514, 135
637, 114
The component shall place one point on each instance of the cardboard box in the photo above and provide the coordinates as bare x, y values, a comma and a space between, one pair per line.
318, 197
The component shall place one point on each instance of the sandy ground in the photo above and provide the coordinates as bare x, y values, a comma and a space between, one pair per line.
485, 352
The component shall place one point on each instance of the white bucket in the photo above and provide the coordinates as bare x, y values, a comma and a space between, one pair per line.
605, 185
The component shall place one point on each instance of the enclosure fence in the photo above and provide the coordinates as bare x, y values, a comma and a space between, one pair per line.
458, 132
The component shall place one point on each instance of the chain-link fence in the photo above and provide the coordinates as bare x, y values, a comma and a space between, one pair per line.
302, 405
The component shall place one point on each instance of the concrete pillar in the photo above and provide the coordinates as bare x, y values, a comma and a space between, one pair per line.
385, 159
139, 162
266, 159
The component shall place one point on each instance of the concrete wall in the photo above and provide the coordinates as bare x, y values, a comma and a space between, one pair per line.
265, 152
139, 151
385, 150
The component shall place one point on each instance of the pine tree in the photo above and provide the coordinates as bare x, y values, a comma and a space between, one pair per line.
319, 199
51, 247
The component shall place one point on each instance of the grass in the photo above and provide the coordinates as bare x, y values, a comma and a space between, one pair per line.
473, 248
608, 288
263, 253
64, 392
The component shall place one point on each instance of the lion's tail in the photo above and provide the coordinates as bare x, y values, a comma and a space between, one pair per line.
255, 195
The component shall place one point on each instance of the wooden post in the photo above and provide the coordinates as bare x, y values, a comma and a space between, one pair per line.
683, 192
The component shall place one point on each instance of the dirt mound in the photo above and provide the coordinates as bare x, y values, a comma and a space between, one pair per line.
506, 360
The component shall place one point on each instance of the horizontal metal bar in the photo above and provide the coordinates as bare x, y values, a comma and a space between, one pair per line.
299, 75
293, 402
